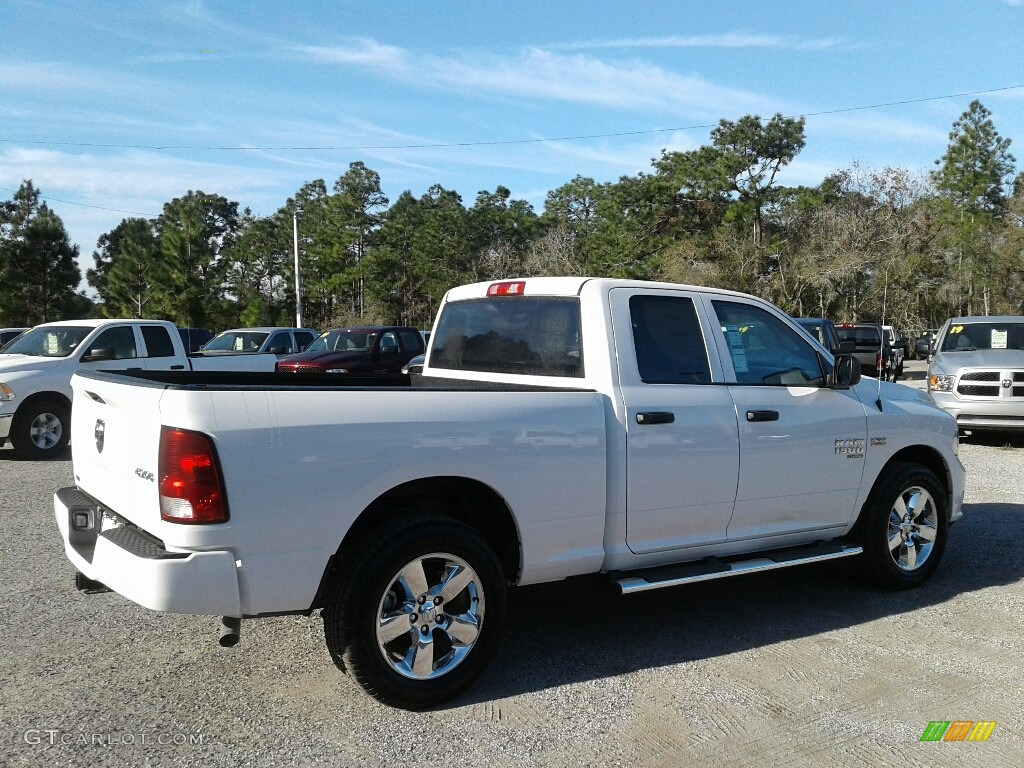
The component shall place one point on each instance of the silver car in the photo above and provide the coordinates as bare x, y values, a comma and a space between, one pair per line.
976, 373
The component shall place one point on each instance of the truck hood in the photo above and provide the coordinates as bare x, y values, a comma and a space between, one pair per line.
981, 358
23, 363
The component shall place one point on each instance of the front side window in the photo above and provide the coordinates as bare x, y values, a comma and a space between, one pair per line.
764, 350
281, 340
668, 341
120, 340
530, 335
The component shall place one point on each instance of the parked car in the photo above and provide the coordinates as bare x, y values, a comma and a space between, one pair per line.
871, 348
8, 335
194, 338
374, 349
899, 349
976, 372
276, 340
824, 330
36, 370
923, 344
414, 366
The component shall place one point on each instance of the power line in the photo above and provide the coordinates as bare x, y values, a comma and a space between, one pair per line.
501, 142
85, 205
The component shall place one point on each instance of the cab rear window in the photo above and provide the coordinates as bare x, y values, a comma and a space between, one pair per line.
529, 335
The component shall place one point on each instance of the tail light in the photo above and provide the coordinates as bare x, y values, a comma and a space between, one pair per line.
879, 361
191, 491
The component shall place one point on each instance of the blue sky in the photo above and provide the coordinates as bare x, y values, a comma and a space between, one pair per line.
126, 105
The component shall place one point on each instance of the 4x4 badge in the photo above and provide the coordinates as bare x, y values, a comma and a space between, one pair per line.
99, 433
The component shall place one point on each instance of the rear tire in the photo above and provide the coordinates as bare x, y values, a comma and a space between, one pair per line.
41, 430
903, 527
416, 610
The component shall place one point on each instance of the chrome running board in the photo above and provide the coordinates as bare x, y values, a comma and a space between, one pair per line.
720, 568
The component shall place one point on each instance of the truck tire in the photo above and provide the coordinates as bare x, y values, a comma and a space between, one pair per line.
904, 524
41, 430
416, 610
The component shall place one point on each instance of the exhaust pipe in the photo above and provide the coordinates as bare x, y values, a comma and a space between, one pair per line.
230, 628
90, 586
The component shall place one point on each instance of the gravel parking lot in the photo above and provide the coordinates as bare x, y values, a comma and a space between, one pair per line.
797, 667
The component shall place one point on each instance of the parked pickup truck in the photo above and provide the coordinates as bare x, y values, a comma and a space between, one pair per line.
871, 348
651, 433
36, 370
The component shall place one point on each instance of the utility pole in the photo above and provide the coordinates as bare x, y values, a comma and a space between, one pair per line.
298, 279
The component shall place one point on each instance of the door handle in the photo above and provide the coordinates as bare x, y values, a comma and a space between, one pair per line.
655, 417
762, 415
177, 367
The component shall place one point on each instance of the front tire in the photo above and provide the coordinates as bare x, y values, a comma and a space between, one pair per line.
904, 526
416, 611
41, 430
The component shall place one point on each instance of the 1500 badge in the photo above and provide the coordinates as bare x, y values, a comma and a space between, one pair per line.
850, 447
144, 474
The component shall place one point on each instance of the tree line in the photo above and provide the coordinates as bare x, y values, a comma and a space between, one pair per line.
866, 244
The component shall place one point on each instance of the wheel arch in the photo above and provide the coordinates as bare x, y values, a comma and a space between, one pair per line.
465, 500
36, 397
923, 455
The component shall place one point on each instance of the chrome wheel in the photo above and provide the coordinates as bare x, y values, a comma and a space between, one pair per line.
45, 431
913, 528
430, 616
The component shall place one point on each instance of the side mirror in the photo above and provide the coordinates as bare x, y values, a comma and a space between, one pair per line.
845, 372
96, 355
279, 350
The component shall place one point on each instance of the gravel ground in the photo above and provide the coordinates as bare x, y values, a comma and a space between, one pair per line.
796, 667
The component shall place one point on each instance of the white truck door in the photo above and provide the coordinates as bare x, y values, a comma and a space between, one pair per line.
682, 455
801, 443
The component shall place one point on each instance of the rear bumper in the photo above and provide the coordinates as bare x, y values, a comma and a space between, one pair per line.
107, 548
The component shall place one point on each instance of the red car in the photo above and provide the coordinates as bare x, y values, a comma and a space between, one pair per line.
362, 350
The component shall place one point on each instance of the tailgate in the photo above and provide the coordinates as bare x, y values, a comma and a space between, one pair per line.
115, 427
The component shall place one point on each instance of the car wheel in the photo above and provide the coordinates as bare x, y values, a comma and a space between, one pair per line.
904, 524
41, 430
416, 611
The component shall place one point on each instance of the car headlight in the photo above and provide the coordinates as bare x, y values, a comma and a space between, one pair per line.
6, 393
941, 382
336, 370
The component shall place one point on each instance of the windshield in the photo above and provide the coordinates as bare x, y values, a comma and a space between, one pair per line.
49, 341
968, 337
344, 341
236, 341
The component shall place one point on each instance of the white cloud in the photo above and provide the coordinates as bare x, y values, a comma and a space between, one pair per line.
726, 40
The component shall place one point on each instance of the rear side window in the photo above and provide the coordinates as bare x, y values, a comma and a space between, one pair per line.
668, 341
158, 341
530, 335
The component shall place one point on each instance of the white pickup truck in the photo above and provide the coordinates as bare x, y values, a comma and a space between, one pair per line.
655, 434
36, 371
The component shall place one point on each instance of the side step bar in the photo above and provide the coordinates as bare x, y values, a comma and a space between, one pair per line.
716, 568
